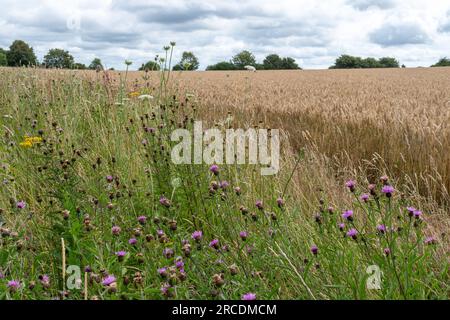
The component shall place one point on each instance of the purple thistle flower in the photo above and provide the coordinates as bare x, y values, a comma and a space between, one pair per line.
280, 202
314, 250
142, 219
224, 184
164, 201
168, 253
364, 197
243, 235
121, 254
388, 190
430, 240
387, 251
249, 296
381, 228
109, 178
341, 226
115, 230
350, 184
417, 214
214, 169
348, 215
352, 233
197, 235
214, 244
259, 204
179, 264
411, 211
21, 204
13, 285
109, 280
132, 241
162, 272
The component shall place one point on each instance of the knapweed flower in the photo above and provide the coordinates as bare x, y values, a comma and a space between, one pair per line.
430, 240
350, 184
179, 264
45, 280
330, 210
21, 204
280, 202
224, 184
249, 296
163, 272
259, 204
132, 241
411, 211
13, 285
341, 226
388, 190
314, 250
348, 215
237, 190
364, 197
372, 189
115, 230
164, 201
387, 251
168, 253
142, 219
109, 178
121, 254
384, 179
109, 280
214, 244
417, 214
352, 233
214, 169
381, 228
197, 235
243, 235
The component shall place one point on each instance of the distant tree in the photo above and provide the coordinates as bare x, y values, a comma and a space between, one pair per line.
289, 64
79, 66
244, 58
444, 62
3, 59
21, 54
150, 66
388, 62
272, 62
58, 58
96, 64
188, 62
351, 62
223, 65
403, 66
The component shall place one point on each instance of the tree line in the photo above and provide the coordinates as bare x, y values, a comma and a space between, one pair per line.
21, 54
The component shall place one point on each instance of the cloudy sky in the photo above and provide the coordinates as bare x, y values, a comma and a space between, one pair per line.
416, 32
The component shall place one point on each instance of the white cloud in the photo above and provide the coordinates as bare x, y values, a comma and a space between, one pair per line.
312, 32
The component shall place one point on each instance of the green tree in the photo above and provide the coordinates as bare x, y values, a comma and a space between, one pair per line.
272, 62
3, 59
388, 62
96, 64
21, 54
79, 66
150, 66
58, 58
223, 65
444, 62
188, 62
244, 58
289, 63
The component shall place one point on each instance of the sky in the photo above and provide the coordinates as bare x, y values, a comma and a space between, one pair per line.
314, 33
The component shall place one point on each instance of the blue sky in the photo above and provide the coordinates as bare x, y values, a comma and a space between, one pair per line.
314, 33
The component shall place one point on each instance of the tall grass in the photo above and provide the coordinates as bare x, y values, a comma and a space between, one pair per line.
84, 160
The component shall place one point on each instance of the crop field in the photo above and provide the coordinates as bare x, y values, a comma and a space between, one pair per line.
92, 205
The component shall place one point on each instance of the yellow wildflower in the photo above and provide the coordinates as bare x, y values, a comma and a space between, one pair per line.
26, 144
134, 94
33, 139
